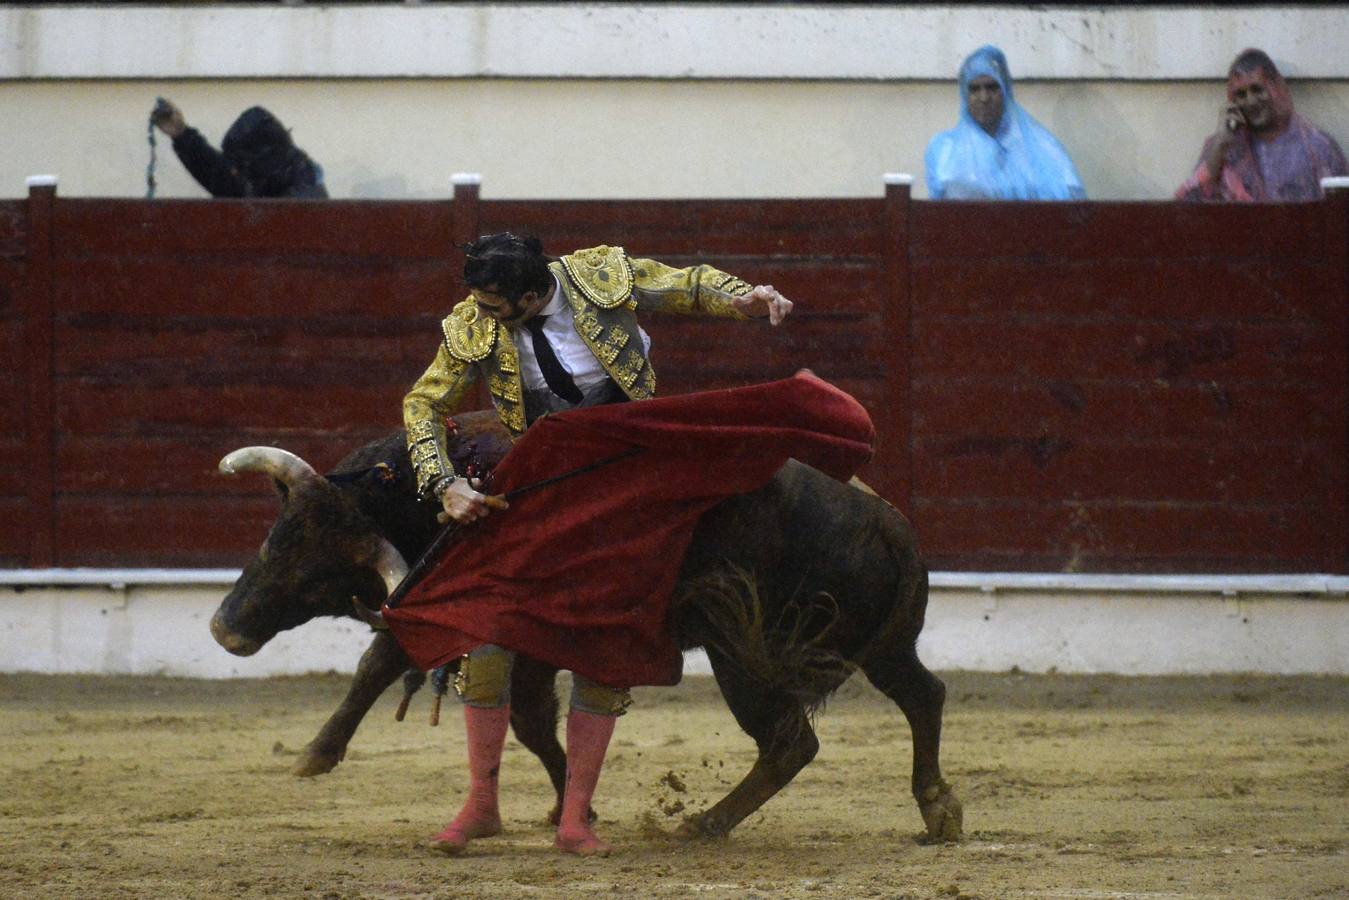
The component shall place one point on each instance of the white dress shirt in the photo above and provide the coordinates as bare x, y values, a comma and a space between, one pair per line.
571, 349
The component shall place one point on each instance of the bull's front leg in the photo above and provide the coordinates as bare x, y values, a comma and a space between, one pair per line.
380, 665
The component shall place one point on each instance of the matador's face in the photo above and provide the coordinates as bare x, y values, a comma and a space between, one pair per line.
499, 307
503, 309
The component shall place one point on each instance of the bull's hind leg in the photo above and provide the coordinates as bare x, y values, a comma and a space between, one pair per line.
921, 695
786, 741
380, 665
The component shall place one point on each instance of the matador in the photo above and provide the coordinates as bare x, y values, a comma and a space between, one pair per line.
546, 335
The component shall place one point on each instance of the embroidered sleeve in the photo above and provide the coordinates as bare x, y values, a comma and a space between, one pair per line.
698, 290
438, 393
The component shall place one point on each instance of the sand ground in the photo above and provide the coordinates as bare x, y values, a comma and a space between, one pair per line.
1090, 787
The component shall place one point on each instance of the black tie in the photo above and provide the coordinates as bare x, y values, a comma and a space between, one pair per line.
559, 381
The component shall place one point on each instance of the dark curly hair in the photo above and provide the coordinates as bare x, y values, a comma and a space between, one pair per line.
507, 265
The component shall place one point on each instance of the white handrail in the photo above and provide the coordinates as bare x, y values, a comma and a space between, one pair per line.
983, 581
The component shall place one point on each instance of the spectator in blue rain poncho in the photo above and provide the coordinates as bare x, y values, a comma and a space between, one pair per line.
997, 151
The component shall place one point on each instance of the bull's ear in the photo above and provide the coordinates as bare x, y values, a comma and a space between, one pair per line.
382, 473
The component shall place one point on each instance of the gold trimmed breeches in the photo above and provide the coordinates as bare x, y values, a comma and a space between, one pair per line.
484, 680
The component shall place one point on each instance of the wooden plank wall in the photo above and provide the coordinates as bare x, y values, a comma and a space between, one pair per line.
185, 329
1095, 387
1129, 387
15, 524
830, 255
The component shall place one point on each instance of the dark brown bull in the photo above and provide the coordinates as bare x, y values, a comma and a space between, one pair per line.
790, 589
345, 536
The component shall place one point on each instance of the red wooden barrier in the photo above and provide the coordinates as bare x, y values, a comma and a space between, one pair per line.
1095, 386
1129, 386
19, 516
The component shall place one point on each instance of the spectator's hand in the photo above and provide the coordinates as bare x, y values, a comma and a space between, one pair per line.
764, 300
1230, 124
168, 118
462, 502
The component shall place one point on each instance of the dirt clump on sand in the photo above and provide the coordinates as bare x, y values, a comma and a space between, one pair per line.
1091, 787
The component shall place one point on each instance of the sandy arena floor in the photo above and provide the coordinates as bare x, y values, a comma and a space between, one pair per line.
1090, 787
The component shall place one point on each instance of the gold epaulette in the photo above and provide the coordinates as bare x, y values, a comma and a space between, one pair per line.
469, 334
603, 274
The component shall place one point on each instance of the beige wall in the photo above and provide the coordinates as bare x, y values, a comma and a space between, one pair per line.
634, 99
630, 138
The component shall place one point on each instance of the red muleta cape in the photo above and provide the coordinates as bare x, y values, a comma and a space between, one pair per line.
580, 574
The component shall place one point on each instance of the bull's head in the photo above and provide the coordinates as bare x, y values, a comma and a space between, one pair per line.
320, 555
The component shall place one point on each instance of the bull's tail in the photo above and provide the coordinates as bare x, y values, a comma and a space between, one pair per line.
784, 653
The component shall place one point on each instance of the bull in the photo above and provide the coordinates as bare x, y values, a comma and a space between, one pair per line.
831, 583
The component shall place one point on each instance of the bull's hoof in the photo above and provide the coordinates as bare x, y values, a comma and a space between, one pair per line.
312, 763
942, 813
698, 828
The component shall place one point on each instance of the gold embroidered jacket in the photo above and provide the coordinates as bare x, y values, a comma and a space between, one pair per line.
604, 288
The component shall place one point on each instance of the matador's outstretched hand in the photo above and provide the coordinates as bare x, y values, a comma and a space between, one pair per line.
764, 300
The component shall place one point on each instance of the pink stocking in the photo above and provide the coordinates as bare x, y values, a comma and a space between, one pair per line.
587, 741
486, 733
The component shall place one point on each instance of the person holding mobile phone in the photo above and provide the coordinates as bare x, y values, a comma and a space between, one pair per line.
1262, 151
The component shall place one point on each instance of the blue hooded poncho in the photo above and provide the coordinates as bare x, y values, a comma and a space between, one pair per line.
1021, 161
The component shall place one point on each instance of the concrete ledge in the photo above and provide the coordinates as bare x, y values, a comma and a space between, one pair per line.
154, 621
117, 578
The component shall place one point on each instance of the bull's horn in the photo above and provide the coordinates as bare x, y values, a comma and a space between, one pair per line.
392, 568
389, 563
282, 465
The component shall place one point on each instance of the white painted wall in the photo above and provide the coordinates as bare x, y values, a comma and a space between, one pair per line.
633, 100
987, 622
154, 630
1136, 633
658, 40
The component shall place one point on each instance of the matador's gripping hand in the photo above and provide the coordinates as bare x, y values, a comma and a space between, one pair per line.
462, 502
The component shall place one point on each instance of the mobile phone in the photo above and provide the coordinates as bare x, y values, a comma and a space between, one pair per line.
1235, 119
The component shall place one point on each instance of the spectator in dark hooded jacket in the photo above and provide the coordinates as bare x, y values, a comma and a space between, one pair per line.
256, 159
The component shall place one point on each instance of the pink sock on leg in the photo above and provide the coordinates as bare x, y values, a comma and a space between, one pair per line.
587, 741
485, 730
